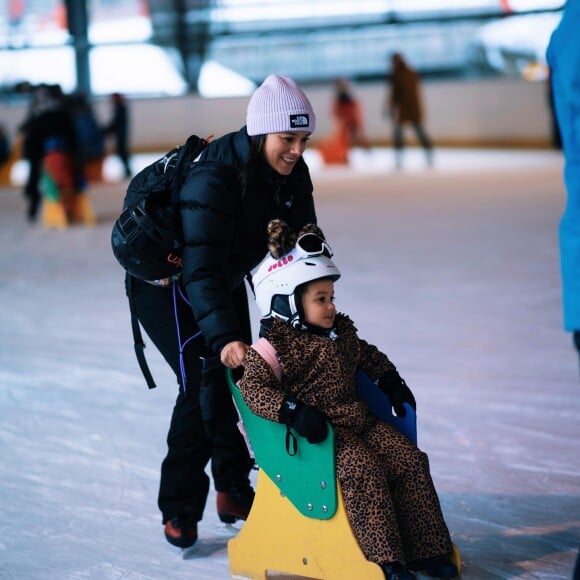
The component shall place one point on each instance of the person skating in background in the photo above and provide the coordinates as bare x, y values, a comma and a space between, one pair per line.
118, 127
201, 321
348, 123
347, 112
48, 118
388, 493
65, 200
90, 139
405, 107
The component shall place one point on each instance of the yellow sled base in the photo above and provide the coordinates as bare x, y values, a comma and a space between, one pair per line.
277, 542
298, 526
277, 538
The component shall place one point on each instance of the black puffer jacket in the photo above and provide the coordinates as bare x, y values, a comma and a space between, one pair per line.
224, 228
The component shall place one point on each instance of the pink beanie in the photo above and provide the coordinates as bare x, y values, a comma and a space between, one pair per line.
278, 105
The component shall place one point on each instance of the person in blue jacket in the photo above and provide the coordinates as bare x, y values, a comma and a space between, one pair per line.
240, 183
563, 57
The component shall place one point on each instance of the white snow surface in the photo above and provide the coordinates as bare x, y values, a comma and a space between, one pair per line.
453, 272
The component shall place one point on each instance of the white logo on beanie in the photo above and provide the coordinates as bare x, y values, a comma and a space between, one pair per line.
299, 121
279, 105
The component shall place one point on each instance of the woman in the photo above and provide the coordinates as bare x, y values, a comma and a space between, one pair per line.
242, 181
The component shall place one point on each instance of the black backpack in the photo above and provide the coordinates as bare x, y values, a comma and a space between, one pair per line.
147, 237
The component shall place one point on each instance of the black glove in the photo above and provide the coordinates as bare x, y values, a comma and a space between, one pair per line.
398, 392
304, 419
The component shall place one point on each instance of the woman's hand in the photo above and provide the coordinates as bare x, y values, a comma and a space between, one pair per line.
233, 354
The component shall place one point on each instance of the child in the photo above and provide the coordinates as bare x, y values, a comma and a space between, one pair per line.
64, 200
388, 493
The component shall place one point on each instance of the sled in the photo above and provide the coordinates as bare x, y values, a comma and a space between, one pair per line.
298, 524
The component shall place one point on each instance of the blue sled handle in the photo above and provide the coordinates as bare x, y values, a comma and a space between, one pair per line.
382, 409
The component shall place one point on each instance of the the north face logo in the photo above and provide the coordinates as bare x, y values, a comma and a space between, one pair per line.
299, 121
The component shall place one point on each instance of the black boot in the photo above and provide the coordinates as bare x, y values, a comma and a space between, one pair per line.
181, 532
396, 571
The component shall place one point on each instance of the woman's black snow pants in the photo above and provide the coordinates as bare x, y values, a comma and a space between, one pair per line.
184, 484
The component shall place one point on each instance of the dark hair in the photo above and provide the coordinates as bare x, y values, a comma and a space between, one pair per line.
249, 169
298, 294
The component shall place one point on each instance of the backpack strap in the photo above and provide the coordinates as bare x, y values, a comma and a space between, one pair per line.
265, 349
138, 341
189, 153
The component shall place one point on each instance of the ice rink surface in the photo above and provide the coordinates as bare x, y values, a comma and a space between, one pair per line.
452, 271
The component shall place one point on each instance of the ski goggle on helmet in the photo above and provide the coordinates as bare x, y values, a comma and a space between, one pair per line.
276, 279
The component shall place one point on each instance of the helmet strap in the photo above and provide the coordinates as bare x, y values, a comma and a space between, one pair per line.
296, 322
294, 309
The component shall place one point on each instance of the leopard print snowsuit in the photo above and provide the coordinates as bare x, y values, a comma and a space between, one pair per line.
388, 492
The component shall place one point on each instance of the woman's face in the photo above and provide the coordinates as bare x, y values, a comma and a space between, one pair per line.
318, 303
283, 150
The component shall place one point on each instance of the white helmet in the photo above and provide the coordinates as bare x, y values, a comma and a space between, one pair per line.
276, 279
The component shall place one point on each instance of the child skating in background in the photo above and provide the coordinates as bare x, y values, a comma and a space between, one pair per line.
64, 201
388, 492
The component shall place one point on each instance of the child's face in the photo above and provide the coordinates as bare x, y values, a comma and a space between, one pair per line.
318, 303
